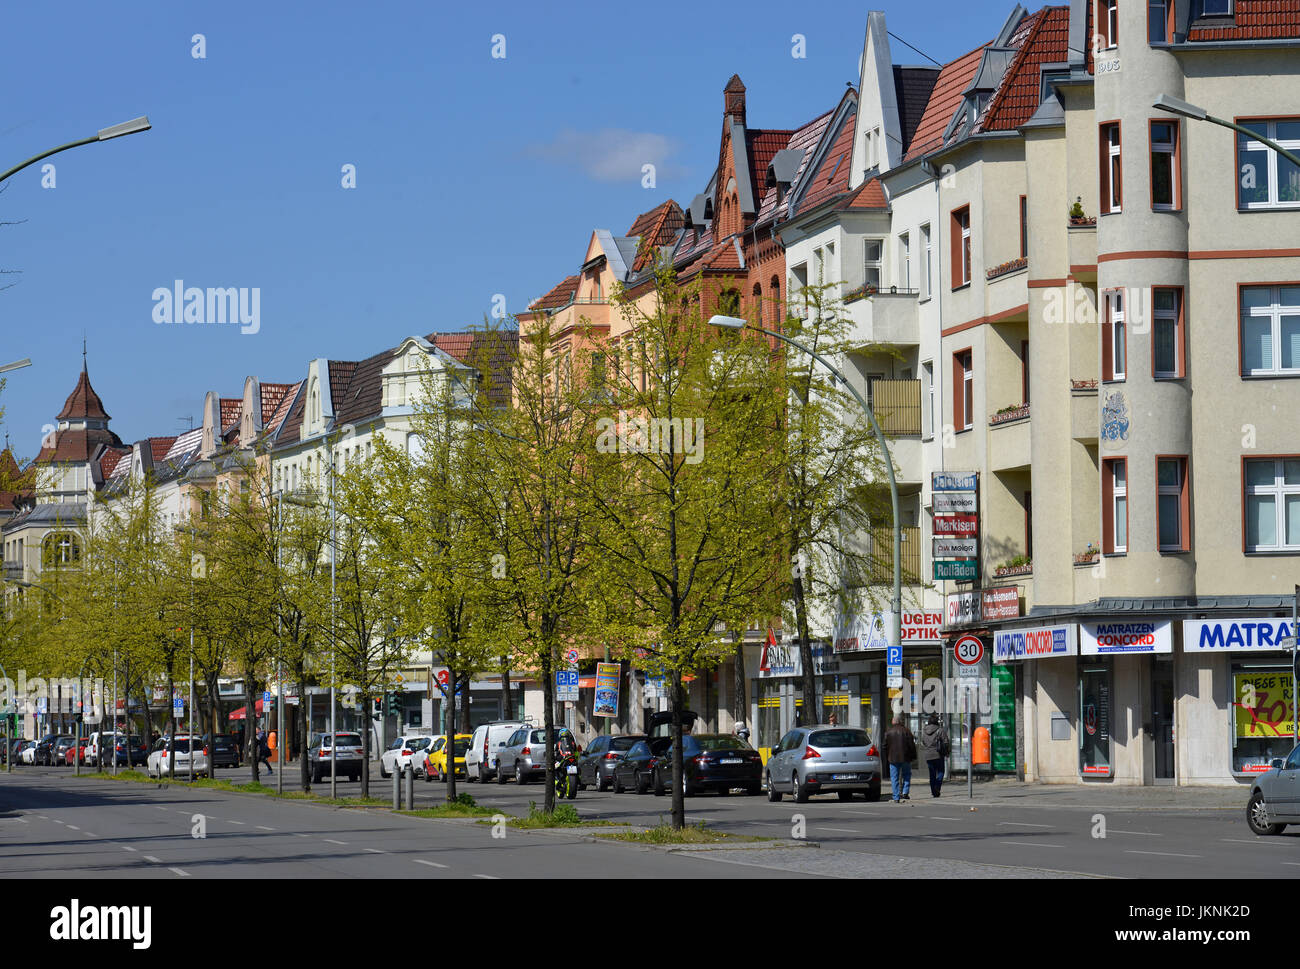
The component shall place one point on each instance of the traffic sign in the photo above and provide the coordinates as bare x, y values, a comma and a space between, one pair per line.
894, 665
566, 685
968, 651
571, 657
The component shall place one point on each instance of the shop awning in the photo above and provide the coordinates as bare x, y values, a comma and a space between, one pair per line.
239, 713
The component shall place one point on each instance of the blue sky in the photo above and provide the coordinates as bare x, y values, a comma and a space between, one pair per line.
475, 175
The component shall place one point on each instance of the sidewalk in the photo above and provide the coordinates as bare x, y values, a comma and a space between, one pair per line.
1005, 791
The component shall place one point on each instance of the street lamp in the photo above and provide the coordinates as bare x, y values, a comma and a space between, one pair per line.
736, 323
104, 134
16, 365
1175, 106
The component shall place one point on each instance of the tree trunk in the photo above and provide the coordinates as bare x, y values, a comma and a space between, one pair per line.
304, 728
171, 723
679, 767
507, 701
367, 728
811, 711
548, 694
250, 720
738, 689
450, 745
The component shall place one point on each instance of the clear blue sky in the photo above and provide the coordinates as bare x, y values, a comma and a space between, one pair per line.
475, 175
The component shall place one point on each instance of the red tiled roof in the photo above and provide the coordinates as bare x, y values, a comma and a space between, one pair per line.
340, 376
110, 459
282, 406
83, 402
868, 196
272, 396
832, 176
561, 295
1255, 19
805, 139
658, 227
1017, 97
159, 446
77, 445
761, 145
14, 484
492, 352
230, 408
943, 102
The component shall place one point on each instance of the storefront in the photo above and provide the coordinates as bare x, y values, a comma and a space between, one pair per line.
1051, 702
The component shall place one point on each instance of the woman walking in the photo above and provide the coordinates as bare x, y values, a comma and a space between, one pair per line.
934, 751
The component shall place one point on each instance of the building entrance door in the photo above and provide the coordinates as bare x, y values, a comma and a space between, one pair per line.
1162, 720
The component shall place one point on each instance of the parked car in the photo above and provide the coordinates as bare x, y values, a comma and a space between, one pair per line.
821, 759
11, 750
488, 739
130, 750
178, 748
28, 755
59, 751
98, 740
346, 758
711, 761
596, 765
433, 765
1275, 796
71, 755
222, 750
17, 748
635, 768
400, 752
524, 755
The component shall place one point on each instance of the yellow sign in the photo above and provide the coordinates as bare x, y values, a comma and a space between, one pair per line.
1264, 705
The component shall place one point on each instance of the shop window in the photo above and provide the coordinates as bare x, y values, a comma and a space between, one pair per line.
1094, 720
1262, 713
1172, 517
1272, 505
1266, 180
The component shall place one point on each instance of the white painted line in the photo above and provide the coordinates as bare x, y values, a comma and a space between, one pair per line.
1145, 834
298, 835
1032, 844
265, 828
375, 851
240, 823
1022, 824
493, 877
127, 848
845, 830
1295, 863
1170, 854
1239, 841
156, 861
73, 827
333, 842
935, 817
160, 807
89, 834
180, 872
431, 864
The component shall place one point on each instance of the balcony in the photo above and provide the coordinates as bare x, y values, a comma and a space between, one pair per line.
1009, 439
1083, 249
13, 571
884, 317
897, 406
882, 555
1084, 418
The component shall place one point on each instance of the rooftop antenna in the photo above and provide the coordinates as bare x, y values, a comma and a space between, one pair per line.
188, 418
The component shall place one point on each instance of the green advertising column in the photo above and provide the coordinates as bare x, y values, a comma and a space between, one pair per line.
1003, 729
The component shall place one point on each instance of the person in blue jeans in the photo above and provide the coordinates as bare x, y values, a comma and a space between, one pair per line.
934, 751
899, 752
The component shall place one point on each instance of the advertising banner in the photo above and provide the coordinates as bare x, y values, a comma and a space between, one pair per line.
953, 502
955, 548
1235, 635
962, 570
872, 632
1003, 731
1272, 713
963, 607
1000, 603
1099, 639
1045, 642
952, 481
607, 680
957, 525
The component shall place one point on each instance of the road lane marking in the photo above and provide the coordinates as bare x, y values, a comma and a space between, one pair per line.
127, 848
156, 861
1295, 863
935, 817
298, 835
1022, 824
265, 828
180, 872
1171, 854
431, 864
333, 842
1032, 844
375, 851
89, 834
73, 827
493, 877
160, 807
240, 823
1239, 841
845, 830
1145, 834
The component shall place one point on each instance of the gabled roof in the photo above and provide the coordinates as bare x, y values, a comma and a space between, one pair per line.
1046, 39
867, 197
111, 458
804, 140
159, 447
912, 87
185, 444
830, 177
77, 445
945, 98
658, 227
362, 395
561, 295
494, 350
230, 408
340, 375
83, 402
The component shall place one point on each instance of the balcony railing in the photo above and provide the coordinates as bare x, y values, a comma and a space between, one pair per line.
13, 571
1009, 414
882, 555
897, 405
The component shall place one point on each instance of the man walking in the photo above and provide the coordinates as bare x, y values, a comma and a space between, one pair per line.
264, 751
900, 751
934, 750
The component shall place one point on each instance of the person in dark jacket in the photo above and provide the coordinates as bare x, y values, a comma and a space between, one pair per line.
934, 750
900, 751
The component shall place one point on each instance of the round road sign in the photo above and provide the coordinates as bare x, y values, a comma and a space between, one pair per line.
571, 656
968, 650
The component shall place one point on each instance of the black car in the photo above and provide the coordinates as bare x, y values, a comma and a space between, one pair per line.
596, 765
713, 761
10, 750
44, 756
128, 750
222, 750
635, 768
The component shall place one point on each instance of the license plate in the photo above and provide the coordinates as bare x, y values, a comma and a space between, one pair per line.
844, 777
732, 760
573, 770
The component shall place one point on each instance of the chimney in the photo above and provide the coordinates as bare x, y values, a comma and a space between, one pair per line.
733, 99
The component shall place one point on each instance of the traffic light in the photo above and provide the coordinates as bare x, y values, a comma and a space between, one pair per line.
394, 702
377, 707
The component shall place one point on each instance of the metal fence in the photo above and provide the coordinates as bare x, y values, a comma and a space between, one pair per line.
897, 404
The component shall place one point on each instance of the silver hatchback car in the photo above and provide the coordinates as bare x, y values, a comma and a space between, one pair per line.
821, 759
1275, 796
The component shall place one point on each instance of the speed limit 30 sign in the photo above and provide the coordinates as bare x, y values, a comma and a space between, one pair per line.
968, 651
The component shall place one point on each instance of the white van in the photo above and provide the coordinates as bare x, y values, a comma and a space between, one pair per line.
480, 759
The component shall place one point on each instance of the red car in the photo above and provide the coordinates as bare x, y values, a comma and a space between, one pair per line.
77, 752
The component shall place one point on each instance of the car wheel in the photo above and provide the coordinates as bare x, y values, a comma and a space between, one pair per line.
772, 793
383, 773
1257, 817
601, 784
845, 795
659, 785
800, 792
642, 784
618, 785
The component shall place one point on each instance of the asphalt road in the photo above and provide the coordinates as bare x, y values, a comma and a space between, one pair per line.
57, 825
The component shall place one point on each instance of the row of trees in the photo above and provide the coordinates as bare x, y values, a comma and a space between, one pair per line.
657, 502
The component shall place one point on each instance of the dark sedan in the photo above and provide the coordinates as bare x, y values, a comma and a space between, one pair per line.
596, 765
711, 761
222, 750
59, 750
130, 750
635, 768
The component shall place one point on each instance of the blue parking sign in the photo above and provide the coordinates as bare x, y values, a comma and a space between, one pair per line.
894, 656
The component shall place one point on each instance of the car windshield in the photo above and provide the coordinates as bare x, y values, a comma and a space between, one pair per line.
622, 743
462, 745
346, 740
721, 743
838, 738
418, 743
183, 746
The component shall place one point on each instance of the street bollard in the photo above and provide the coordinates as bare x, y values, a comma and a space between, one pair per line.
410, 787
397, 790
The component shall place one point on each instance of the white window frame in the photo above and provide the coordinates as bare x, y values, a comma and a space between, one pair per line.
1250, 144
1115, 157
1175, 490
1110, 10
1118, 336
926, 245
1169, 149
1118, 491
1278, 491
904, 261
1159, 316
1216, 13
868, 264
1274, 312
927, 393
968, 390
965, 250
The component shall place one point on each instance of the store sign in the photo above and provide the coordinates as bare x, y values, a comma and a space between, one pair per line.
873, 631
954, 502
963, 570
607, 682
921, 627
952, 481
785, 660
1046, 642
779, 660
1264, 707
1235, 635
963, 607
1000, 603
957, 525
1103, 638
955, 548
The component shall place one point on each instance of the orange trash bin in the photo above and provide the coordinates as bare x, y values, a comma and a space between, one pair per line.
980, 746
